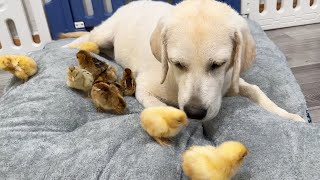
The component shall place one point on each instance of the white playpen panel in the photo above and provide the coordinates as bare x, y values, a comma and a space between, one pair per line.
282, 13
16, 11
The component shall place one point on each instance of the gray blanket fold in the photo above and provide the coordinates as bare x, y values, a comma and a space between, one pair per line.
49, 131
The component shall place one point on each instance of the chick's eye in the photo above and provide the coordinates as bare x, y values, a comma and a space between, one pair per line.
180, 66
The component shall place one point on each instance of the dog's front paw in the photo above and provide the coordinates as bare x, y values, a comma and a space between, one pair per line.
163, 122
296, 117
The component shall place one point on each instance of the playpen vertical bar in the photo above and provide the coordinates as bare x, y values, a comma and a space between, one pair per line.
287, 6
59, 17
98, 9
22, 25
271, 6
5, 36
304, 4
41, 21
77, 8
117, 4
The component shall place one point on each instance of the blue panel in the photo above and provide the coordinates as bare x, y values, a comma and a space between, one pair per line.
176, 1
78, 13
116, 4
59, 17
99, 15
235, 4
62, 14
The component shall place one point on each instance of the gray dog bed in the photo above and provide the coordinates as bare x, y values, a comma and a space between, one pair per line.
48, 131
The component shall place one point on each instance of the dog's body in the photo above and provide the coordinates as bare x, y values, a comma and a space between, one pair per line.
189, 55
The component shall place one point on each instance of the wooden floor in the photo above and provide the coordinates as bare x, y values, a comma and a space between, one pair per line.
301, 45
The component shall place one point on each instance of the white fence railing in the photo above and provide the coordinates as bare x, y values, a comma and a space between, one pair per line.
273, 14
19, 33
23, 24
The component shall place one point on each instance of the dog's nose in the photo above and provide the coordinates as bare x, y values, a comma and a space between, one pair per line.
195, 111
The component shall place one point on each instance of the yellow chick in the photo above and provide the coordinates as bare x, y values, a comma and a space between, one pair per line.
88, 46
79, 79
22, 67
107, 97
213, 163
163, 122
128, 82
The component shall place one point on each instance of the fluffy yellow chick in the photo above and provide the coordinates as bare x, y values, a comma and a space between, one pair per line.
79, 79
88, 46
213, 163
163, 122
21, 66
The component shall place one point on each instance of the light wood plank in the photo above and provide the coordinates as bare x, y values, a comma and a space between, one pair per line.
307, 74
315, 114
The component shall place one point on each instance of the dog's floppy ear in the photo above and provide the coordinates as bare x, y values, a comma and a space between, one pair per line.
245, 52
158, 45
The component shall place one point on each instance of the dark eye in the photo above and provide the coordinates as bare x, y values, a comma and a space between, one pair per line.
180, 66
215, 66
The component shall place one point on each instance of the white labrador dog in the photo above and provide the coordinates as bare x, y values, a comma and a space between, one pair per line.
189, 55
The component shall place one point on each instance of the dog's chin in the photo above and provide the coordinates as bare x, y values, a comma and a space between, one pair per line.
212, 113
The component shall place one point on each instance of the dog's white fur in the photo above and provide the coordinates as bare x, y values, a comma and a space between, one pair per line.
212, 43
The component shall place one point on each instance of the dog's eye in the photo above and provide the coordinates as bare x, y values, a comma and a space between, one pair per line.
215, 66
180, 66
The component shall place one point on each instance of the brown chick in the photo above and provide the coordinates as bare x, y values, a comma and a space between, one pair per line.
22, 67
213, 163
79, 79
119, 87
93, 65
109, 75
107, 97
128, 82
163, 123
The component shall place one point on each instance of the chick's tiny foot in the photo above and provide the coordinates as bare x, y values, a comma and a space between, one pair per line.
88, 96
99, 110
163, 141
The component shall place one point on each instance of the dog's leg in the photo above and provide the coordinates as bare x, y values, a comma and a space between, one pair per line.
78, 41
147, 99
255, 94
102, 35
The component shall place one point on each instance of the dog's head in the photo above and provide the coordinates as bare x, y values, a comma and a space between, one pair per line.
206, 45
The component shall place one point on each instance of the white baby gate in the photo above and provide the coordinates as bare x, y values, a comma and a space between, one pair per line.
273, 14
23, 26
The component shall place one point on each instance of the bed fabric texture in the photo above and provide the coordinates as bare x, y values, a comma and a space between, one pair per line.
48, 131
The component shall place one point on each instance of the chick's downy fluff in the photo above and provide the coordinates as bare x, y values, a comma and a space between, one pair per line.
109, 75
107, 97
88, 46
79, 79
128, 82
96, 67
161, 123
213, 163
22, 67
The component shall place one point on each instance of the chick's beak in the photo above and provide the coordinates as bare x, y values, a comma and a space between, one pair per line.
245, 153
72, 79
